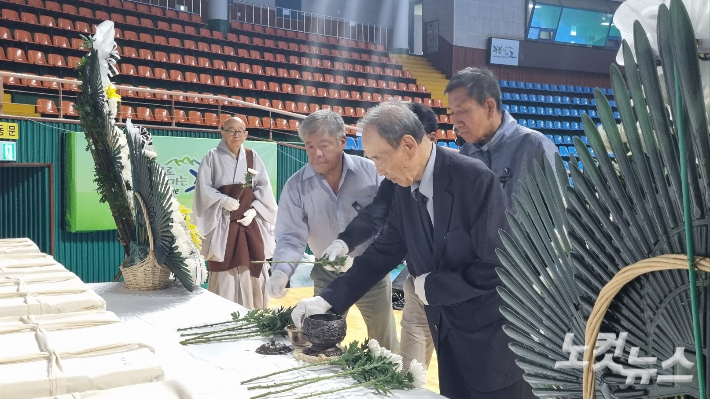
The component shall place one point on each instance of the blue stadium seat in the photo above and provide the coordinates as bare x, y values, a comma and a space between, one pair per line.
549, 99
540, 124
580, 165
562, 88
350, 143
574, 112
540, 111
515, 96
514, 109
520, 85
532, 110
612, 103
503, 83
566, 100
558, 112
546, 87
511, 84
540, 98
558, 100
599, 125
453, 145
538, 86
616, 115
506, 107
574, 126
609, 92
566, 165
523, 122
570, 89
523, 109
565, 126
591, 152
558, 125
563, 151
549, 136
570, 182
506, 96
572, 151
588, 90
565, 112
575, 100
549, 111
531, 124
358, 141
549, 125
578, 89
593, 102
585, 140
557, 139
593, 114
567, 140
553, 87
529, 86
584, 101
523, 97
442, 144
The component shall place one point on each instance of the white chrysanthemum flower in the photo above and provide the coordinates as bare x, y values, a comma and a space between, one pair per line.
375, 347
112, 107
175, 209
397, 360
253, 172
418, 373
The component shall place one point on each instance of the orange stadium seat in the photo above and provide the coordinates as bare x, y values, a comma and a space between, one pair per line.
46, 107
68, 109
56, 60
179, 116
161, 115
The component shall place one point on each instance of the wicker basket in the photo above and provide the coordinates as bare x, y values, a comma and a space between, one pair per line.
146, 275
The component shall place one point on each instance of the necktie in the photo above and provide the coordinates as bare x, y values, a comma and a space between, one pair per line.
423, 213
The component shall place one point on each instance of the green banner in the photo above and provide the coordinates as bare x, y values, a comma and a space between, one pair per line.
180, 156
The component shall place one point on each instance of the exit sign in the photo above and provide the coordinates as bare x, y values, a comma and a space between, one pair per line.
8, 151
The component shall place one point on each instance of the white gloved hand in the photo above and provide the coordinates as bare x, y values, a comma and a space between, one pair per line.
337, 248
230, 204
248, 217
276, 284
340, 269
419, 287
307, 307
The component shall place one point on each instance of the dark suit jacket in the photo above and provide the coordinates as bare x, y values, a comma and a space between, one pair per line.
461, 286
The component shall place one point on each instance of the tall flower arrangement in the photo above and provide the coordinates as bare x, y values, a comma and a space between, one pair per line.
126, 163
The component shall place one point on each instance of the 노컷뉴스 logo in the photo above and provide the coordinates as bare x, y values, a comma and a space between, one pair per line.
637, 367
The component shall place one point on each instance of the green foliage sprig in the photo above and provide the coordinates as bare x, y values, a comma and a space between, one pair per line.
255, 323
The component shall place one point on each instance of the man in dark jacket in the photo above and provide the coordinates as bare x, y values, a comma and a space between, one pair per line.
445, 216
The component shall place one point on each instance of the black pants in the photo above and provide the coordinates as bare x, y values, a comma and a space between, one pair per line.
454, 384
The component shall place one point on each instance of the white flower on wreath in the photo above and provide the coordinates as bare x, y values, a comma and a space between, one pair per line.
252, 172
105, 46
646, 12
418, 373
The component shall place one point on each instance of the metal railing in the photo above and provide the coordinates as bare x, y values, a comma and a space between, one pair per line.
221, 100
300, 21
189, 6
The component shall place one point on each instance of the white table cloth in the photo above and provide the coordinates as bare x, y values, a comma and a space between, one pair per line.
212, 370
17, 245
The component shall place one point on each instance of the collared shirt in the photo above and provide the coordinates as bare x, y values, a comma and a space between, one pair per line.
311, 214
426, 185
511, 154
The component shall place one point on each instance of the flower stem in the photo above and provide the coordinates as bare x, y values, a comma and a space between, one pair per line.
205, 325
227, 338
326, 363
262, 395
236, 328
308, 380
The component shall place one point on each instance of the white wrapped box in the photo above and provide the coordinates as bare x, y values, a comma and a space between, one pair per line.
154, 390
53, 355
17, 245
28, 264
46, 293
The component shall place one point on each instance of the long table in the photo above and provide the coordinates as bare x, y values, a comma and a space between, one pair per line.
213, 370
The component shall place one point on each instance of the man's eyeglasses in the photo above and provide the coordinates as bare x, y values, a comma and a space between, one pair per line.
234, 132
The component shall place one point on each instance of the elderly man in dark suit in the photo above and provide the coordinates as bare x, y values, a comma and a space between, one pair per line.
446, 213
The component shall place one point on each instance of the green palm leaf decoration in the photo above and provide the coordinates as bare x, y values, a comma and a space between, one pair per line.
172, 243
566, 244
